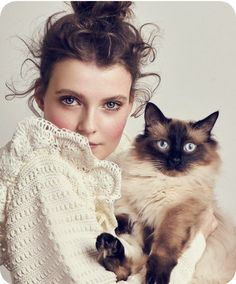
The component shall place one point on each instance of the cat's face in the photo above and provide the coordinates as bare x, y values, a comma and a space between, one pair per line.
174, 146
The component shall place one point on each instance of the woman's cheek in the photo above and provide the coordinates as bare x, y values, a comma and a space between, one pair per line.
60, 120
115, 128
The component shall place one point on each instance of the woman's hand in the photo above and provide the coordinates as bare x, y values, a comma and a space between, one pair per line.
209, 224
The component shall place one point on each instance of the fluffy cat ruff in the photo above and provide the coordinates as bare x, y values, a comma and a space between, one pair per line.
161, 191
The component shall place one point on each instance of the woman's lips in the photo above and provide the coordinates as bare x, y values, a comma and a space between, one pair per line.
93, 145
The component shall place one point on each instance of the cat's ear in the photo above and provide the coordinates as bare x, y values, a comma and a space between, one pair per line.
207, 123
153, 114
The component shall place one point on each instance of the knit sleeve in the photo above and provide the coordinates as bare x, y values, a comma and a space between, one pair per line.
52, 222
3, 193
3, 197
184, 270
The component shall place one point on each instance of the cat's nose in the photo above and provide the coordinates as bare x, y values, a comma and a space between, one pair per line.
176, 160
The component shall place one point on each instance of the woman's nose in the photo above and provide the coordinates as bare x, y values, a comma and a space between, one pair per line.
87, 123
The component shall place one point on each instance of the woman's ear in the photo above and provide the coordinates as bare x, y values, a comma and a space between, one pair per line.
40, 102
38, 96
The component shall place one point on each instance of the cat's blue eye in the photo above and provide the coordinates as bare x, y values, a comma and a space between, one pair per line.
189, 147
163, 145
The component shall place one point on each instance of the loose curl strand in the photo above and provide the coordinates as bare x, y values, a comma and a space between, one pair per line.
96, 31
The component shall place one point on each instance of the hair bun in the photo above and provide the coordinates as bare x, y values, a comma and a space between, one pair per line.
96, 10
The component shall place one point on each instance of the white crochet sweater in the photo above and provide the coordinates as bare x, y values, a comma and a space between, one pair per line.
55, 198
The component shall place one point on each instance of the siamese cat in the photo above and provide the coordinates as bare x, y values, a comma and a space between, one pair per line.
168, 179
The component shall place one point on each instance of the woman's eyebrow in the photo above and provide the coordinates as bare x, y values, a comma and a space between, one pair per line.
116, 98
76, 94
68, 92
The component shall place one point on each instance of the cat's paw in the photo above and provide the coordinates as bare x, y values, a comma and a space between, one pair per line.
112, 255
110, 246
158, 272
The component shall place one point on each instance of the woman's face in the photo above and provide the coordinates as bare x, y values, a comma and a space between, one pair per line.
90, 100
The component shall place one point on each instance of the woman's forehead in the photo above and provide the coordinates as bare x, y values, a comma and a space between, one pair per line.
83, 77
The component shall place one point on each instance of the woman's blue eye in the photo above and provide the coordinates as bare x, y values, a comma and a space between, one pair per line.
189, 147
112, 105
69, 100
163, 145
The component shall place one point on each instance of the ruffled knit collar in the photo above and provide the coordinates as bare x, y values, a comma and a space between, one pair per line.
34, 133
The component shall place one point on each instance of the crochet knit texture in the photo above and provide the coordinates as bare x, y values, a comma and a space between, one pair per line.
55, 198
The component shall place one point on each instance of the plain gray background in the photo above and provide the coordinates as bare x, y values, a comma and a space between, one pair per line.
196, 60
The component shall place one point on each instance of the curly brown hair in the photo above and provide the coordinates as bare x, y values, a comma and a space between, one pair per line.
96, 31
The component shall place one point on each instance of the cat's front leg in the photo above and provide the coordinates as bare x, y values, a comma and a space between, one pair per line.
170, 239
158, 271
112, 255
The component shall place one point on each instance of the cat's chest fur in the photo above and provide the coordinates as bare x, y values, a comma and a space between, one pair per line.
149, 194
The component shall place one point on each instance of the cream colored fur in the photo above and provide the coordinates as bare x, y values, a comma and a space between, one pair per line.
147, 195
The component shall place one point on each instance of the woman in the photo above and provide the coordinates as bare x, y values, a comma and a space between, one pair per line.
57, 191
